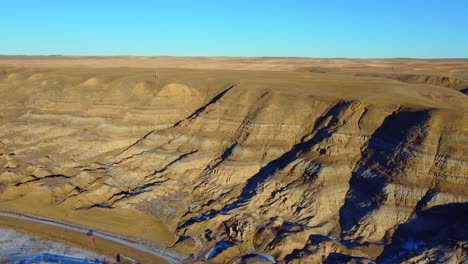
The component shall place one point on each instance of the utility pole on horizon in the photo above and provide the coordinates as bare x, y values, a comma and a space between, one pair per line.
157, 73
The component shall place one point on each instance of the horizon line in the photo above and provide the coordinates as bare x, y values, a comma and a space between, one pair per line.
228, 56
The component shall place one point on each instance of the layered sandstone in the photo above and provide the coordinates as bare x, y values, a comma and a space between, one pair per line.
298, 166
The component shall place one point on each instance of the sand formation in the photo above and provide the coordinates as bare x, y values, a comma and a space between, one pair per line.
310, 165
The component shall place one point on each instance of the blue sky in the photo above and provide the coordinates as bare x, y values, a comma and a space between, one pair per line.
284, 28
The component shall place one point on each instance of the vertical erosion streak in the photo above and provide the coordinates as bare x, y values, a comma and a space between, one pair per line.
321, 130
382, 158
213, 100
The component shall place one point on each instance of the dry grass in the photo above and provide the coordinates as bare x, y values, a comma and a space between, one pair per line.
233, 63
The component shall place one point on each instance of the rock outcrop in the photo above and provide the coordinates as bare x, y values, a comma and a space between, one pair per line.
246, 166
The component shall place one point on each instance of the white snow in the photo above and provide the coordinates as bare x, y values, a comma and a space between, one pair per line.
16, 245
169, 256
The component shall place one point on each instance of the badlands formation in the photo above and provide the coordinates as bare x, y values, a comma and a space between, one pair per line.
244, 160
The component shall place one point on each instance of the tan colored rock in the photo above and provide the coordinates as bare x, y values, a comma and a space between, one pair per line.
296, 166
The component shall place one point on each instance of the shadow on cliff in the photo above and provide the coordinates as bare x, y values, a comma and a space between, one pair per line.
383, 157
442, 225
322, 129
464, 90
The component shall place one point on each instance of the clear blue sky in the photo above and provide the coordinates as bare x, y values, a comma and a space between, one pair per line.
299, 28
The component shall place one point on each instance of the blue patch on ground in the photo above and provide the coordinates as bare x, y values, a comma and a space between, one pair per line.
50, 258
218, 248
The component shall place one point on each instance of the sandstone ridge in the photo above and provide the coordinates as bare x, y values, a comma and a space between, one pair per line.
301, 166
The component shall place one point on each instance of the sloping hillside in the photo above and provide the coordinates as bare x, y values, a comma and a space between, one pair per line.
242, 165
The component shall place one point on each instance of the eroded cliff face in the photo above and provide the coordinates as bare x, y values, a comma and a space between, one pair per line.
245, 166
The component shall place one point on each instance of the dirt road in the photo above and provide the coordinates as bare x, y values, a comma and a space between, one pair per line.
103, 243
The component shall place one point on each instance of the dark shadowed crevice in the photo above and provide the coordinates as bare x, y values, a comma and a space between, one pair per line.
321, 130
386, 148
201, 109
464, 90
36, 179
431, 229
